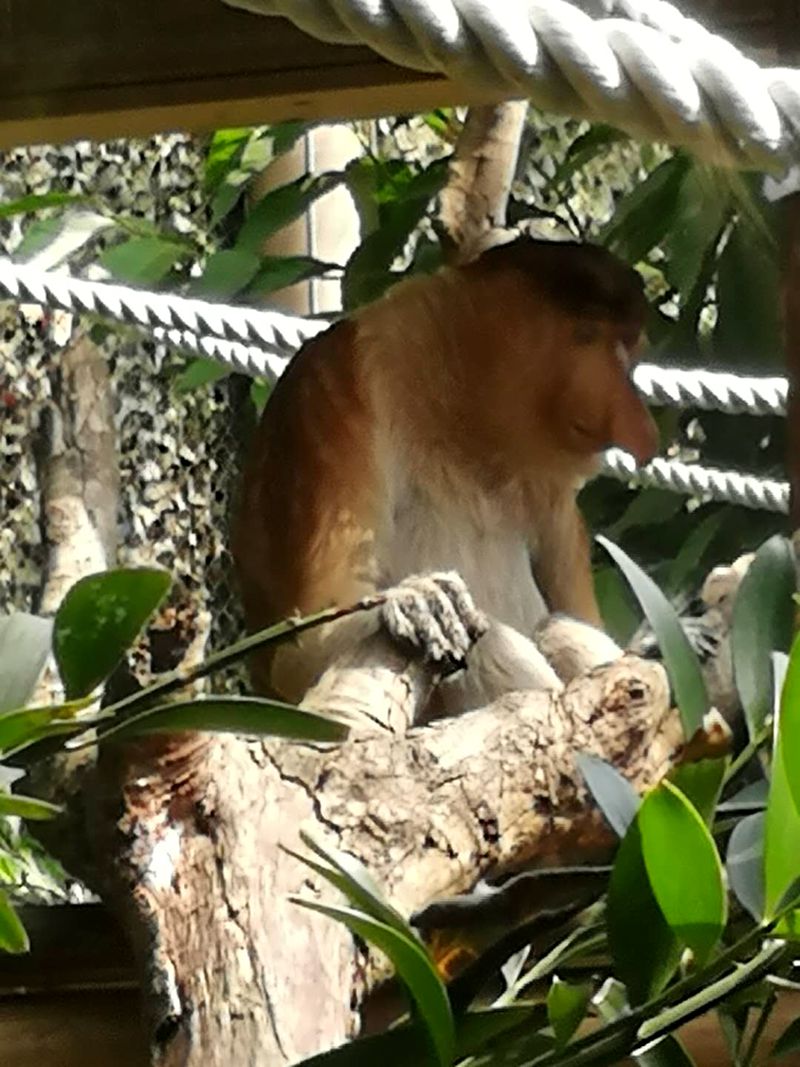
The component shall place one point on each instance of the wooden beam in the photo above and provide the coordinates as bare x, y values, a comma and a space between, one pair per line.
97, 70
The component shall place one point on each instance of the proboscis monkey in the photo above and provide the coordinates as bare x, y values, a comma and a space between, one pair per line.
447, 427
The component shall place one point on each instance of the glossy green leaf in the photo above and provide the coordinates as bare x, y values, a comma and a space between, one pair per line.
763, 620
413, 966
683, 868
25, 726
789, 1041
645, 951
790, 723
701, 782
99, 619
13, 938
37, 202
248, 716
618, 606
353, 879
668, 1052
745, 863
223, 153
276, 272
25, 642
615, 796
198, 373
589, 146
566, 1008
782, 829
27, 807
649, 507
225, 274
142, 260
49, 242
680, 659
283, 205
752, 798
643, 218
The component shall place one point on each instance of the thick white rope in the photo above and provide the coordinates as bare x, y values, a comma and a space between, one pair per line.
705, 483
260, 343
646, 69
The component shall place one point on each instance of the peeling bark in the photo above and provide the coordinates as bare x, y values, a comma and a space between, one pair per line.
235, 972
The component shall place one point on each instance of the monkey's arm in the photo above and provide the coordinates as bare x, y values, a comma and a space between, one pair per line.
572, 638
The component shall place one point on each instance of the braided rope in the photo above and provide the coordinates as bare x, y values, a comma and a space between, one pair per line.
762, 494
260, 343
649, 70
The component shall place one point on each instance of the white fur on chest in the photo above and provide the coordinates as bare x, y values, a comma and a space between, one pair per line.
450, 526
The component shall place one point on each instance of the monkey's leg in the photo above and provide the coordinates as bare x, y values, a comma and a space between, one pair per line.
436, 615
573, 648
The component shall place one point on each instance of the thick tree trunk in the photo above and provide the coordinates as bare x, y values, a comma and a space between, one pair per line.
238, 974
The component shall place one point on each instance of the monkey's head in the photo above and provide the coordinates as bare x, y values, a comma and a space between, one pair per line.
582, 349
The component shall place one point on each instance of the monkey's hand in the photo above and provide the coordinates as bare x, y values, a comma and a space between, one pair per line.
435, 614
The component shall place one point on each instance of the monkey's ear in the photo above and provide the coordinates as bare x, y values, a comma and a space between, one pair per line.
632, 427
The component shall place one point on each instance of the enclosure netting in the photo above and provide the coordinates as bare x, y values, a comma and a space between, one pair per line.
178, 453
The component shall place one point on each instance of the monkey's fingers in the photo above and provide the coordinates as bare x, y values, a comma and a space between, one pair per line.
436, 615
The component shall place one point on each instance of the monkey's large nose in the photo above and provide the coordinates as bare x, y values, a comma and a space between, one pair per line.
632, 427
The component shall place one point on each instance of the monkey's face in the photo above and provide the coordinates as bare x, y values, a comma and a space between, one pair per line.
596, 405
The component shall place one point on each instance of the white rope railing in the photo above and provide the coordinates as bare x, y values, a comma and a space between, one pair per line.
260, 343
638, 64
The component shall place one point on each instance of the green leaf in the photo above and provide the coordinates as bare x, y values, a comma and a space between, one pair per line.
748, 323
27, 807
25, 726
276, 272
225, 274
48, 242
224, 151
745, 863
669, 1052
566, 1009
680, 659
406, 200
352, 878
789, 1040
25, 642
99, 618
37, 202
645, 216
701, 210
763, 620
13, 938
701, 782
589, 146
615, 796
618, 607
649, 507
403, 1045
199, 372
692, 550
283, 205
142, 260
690, 890
248, 716
782, 829
645, 951
790, 723
414, 967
